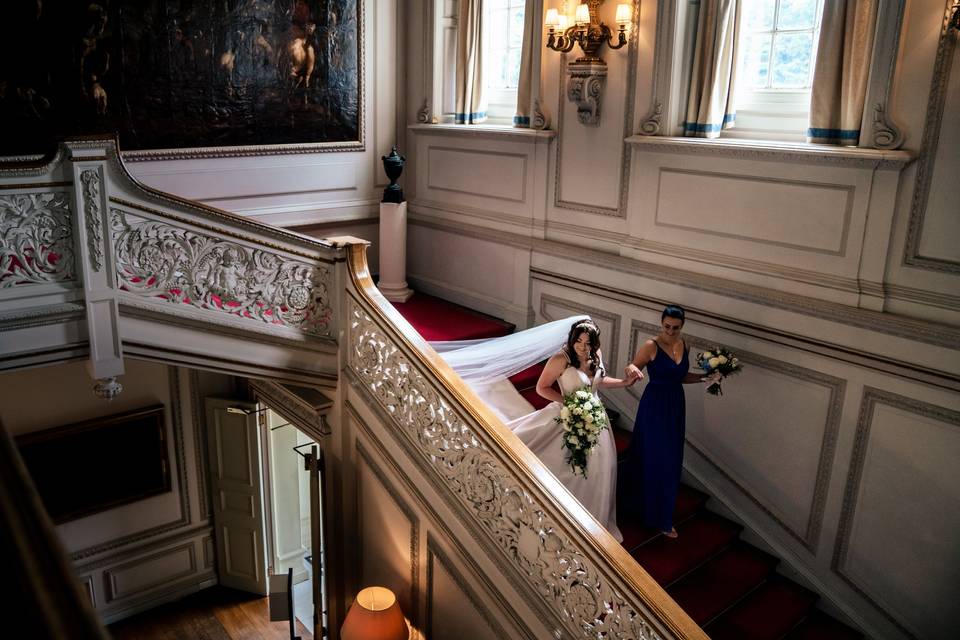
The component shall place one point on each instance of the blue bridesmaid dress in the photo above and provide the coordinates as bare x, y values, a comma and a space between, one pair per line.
656, 449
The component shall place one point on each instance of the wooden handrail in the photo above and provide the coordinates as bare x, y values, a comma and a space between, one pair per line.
612, 561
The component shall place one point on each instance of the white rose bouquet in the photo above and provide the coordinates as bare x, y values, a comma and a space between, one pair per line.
582, 418
721, 361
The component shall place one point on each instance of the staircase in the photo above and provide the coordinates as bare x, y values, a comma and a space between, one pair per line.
729, 587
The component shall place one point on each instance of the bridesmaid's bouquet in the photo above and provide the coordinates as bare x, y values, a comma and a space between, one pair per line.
582, 418
719, 360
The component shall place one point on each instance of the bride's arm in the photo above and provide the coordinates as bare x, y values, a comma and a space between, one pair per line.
616, 383
549, 375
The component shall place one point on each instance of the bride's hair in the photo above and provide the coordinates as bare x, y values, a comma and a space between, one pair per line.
580, 327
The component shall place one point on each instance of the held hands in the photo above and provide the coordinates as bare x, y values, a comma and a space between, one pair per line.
633, 374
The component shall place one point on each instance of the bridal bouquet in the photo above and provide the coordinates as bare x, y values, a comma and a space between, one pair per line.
720, 361
582, 418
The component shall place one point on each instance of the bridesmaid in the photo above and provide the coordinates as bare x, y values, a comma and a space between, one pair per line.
656, 449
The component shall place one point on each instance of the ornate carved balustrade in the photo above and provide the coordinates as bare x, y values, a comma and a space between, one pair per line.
585, 584
85, 246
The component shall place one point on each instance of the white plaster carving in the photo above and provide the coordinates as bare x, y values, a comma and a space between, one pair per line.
885, 133
107, 388
423, 113
159, 260
651, 126
513, 518
36, 239
91, 209
585, 88
539, 121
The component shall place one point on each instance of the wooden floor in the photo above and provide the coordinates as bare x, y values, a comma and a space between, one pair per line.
217, 613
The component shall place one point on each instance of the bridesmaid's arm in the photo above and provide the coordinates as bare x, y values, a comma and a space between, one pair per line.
549, 375
646, 353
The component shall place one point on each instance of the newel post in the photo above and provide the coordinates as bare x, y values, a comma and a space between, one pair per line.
393, 234
89, 165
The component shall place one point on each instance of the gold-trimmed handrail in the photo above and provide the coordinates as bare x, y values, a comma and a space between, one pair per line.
638, 606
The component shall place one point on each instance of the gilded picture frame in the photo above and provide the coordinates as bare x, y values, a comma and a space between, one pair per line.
183, 79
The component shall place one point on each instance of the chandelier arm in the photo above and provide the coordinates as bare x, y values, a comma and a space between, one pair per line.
621, 39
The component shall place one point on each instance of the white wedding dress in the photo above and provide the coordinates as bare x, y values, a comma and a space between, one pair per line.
597, 492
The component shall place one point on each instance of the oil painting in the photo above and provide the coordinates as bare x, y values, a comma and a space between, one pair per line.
182, 78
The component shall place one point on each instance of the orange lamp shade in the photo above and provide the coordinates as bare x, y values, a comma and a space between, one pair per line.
375, 615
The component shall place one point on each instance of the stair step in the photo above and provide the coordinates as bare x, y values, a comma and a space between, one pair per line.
719, 583
768, 613
528, 377
622, 439
701, 537
820, 626
534, 398
689, 501
437, 319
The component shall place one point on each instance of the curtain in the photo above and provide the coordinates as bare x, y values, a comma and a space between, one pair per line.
531, 45
471, 107
710, 107
841, 71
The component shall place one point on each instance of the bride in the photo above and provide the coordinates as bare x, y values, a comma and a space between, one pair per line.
574, 364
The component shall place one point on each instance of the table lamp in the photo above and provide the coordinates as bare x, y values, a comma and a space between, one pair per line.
375, 615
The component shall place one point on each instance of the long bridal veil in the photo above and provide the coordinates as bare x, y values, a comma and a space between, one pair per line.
484, 361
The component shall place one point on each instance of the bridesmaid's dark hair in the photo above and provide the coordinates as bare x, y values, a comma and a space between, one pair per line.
578, 328
674, 311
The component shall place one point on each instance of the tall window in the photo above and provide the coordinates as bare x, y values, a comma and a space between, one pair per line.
778, 46
503, 41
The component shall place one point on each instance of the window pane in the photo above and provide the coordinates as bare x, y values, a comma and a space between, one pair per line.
513, 69
756, 60
759, 14
797, 14
791, 60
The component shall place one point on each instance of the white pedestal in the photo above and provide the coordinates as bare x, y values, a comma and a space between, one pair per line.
393, 252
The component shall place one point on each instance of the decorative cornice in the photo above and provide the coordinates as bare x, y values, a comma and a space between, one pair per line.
871, 398
493, 132
798, 153
41, 316
928, 152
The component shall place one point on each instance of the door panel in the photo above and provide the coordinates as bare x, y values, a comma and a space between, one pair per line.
238, 494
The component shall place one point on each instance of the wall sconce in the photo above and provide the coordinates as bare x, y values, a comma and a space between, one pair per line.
588, 73
375, 615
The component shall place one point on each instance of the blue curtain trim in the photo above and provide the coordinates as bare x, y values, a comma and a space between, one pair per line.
708, 127
833, 134
521, 121
466, 118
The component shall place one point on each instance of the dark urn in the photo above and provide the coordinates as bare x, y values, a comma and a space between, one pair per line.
393, 165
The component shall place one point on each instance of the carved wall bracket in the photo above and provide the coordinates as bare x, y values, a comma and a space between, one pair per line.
585, 84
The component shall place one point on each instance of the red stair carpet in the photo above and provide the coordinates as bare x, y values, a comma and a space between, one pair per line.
728, 587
